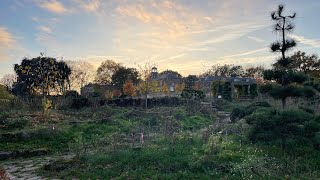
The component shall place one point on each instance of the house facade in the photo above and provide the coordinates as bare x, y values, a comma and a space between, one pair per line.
228, 87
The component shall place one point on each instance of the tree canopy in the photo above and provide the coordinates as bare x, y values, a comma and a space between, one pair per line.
41, 74
122, 75
105, 71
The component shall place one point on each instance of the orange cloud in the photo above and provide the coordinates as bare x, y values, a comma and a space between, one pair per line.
6, 38
7, 42
53, 6
89, 5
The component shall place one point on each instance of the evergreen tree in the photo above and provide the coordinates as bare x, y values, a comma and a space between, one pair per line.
281, 72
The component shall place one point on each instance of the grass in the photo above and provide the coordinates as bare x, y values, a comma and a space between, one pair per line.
107, 141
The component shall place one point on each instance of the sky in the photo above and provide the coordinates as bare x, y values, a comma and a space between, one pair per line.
187, 36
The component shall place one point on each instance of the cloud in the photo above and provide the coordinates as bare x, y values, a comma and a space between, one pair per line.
172, 57
6, 38
231, 34
53, 6
7, 42
89, 5
266, 60
256, 39
311, 42
45, 29
247, 53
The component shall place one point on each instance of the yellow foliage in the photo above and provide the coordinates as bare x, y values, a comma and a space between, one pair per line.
165, 89
180, 87
148, 87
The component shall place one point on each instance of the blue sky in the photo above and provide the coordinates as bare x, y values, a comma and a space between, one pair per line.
183, 35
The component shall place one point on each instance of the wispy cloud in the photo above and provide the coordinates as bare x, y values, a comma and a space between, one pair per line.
6, 38
89, 5
247, 53
311, 42
53, 6
232, 34
45, 29
265, 60
256, 39
7, 42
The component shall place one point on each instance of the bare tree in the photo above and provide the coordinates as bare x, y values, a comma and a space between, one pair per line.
82, 73
226, 70
8, 80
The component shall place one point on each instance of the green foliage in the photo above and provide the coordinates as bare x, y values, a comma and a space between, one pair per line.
195, 122
4, 93
291, 128
46, 105
71, 94
14, 123
190, 81
237, 113
191, 94
222, 88
105, 71
41, 74
79, 102
279, 92
314, 84
122, 75
240, 112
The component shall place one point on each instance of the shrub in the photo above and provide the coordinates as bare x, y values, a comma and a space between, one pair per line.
290, 128
192, 94
4, 93
18, 123
237, 113
241, 112
72, 94
79, 102
308, 110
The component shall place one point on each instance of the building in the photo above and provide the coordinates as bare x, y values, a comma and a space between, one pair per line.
229, 87
169, 78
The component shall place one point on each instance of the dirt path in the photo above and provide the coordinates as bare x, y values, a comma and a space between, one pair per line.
25, 169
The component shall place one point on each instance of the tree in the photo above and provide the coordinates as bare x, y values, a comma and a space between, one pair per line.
105, 71
147, 86
180, 87
308, 64
8, 80
41, 74
82, 73
255, 73
226, 70
283, 25
129, 89
122, 75
190, 81
171, 72
282, 72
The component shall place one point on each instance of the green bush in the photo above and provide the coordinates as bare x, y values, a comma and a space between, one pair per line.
4, 93
71, 94
290, 129
18, 123
240, 112
237, 113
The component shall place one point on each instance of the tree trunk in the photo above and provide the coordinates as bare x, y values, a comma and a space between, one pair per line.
146, 101
283, 39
